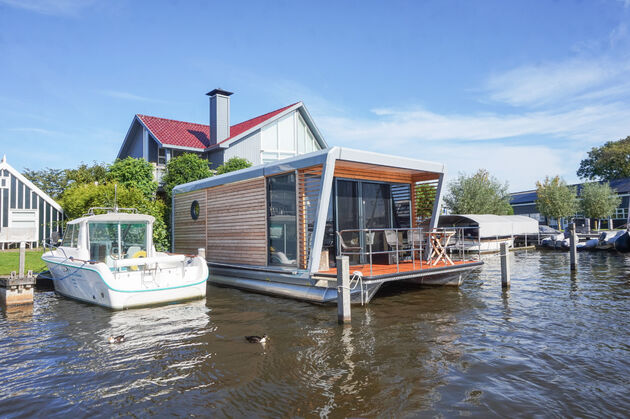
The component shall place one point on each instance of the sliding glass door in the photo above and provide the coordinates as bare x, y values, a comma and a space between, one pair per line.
362, 205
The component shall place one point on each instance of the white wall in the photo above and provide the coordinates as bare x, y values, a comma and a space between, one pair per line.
286, 137
246, 148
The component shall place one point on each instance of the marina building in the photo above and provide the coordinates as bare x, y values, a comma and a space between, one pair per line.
524, 203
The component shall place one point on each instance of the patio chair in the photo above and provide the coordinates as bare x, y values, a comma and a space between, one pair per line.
346, 247
395, 241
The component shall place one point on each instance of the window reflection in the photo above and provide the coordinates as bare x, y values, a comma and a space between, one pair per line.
282, 246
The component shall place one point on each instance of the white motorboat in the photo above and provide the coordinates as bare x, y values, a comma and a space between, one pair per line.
109, 260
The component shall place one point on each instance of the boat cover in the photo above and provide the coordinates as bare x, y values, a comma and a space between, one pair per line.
492, 225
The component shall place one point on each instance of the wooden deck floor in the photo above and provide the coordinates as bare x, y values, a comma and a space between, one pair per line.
383, 269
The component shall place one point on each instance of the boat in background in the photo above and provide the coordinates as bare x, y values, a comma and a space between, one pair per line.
110, 260
622, 244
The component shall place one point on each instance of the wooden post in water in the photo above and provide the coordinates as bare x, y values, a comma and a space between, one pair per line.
573, 242
17, 288
505, 266
22, 259
343, 289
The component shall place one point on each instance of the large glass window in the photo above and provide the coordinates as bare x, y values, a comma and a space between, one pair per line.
110, 241
281, 198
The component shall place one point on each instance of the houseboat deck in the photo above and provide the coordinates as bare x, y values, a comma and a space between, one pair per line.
403, 270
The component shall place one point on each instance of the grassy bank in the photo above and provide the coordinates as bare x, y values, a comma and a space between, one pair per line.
10, 261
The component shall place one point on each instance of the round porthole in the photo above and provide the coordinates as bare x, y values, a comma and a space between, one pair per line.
194, 210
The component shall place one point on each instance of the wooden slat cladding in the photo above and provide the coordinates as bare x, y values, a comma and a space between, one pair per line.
364, 171
237, 223
309, 185
190, 234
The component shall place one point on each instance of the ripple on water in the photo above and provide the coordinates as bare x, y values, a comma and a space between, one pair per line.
555, 344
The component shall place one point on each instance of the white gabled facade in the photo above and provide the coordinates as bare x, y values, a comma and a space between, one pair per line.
26, 212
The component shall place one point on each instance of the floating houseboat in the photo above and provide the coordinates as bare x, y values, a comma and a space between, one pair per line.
277, 228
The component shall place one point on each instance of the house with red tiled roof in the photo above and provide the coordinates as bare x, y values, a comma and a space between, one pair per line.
282, 133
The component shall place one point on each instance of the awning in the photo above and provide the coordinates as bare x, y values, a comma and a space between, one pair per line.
492, 225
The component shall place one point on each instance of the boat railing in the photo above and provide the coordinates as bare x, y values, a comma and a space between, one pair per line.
106, 210
52, 247
420, 247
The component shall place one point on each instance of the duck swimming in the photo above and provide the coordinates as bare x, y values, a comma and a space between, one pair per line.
257, 339
116, 339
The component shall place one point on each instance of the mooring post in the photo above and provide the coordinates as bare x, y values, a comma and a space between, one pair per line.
573, 241
505, 266
22, 258
202, 252
17, 289
343, 289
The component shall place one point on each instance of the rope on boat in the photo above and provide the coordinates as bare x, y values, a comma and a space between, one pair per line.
67, 276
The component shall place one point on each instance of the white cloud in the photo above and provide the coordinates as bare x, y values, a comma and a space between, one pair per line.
590, 123
126, 96
543, 84
51, 7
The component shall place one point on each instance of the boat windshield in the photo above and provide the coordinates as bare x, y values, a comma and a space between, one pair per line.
111, 241
71, 237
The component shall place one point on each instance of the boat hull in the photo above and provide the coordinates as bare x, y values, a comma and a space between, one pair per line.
622, 243
323, 287
96, 284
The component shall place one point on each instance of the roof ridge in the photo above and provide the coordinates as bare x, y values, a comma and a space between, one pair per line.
169, 119
207, 125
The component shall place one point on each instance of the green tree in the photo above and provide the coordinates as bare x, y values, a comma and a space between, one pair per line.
52, 181
233, 164
555, 198
97, 172
425, 198
79, 198
133, 172
480, 193
183, 169
608, 162
599, 200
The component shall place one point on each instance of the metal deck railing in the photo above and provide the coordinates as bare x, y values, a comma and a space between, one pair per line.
407, 245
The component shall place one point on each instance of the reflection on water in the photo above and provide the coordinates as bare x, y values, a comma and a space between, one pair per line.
554, 343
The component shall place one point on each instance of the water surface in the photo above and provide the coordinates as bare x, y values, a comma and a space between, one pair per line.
555, 344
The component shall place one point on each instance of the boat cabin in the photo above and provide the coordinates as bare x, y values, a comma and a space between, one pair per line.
287, 221
109, 237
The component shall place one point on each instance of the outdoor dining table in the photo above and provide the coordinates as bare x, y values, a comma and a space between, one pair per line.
439, 242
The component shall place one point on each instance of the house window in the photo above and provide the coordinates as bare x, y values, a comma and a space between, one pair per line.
161, 155
281, 211
4, 182
287, 137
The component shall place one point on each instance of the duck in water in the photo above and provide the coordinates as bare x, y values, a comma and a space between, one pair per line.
116, 339
258, 339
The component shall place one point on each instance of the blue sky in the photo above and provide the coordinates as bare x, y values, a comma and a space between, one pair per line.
522, 89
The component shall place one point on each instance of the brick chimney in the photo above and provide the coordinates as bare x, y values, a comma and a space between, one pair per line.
219, 115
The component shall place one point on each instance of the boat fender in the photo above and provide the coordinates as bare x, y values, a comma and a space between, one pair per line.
138, 254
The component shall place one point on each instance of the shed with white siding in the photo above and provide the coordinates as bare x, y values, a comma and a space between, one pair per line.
26, 212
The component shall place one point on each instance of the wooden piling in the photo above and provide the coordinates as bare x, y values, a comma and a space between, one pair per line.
505, 265
573, 247
17, 288
22, 259
343, 289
